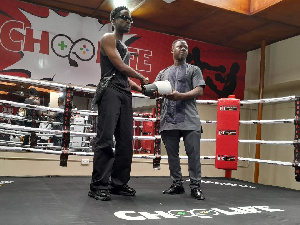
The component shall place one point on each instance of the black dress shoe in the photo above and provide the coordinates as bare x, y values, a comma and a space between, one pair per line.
197, 193
123, 190
174, 189
102, 195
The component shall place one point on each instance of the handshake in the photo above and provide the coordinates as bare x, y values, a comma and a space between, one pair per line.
157, 88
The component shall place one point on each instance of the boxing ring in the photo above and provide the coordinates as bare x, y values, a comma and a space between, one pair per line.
145, 127
63, 200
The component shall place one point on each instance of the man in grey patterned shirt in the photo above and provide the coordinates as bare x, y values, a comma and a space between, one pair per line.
179, 118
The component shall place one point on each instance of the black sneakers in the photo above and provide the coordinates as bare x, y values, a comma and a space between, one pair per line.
179, 189
124, 190
197, 193
174, 189
103, 195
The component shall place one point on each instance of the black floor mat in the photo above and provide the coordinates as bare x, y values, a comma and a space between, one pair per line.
64, 200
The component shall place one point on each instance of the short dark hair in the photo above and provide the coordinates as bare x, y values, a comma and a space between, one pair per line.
116, 11
174, 42
33, 92
61, 99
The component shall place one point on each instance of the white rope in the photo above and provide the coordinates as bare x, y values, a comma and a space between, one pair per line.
208, 121
10, 142
266, 161
43, 108
93, 113
42, 146
56, 85
256, 141
35, 107
87, 113
59, 132
73, 133
84, 112
248, 102
207, 102
44, 130
20, 118
10, 116
267, 142
267, 121
35, 150
254, 121
269, 100
31, 81
144, 119
12, 132
93, 90
146, 156
204, 140
138, 156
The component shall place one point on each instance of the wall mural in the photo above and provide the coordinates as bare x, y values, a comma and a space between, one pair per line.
40, 43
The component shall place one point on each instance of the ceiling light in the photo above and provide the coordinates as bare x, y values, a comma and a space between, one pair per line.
118, 3
130, 4
169, 1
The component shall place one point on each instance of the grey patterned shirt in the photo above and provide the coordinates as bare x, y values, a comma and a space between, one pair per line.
182, 114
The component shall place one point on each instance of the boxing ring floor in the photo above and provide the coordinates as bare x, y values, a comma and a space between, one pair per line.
64, 200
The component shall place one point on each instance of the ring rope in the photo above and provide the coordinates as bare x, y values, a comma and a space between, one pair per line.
278, 121
59, 132
21, 118
84, 89
55, 85
12, 132
93, 90
92, 113
270, 100
48, 131
254, 121
35, 107
248, 102
76, 134
18, 149
269, 162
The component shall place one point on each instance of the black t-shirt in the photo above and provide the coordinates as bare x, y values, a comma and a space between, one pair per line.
120, 81
29, 112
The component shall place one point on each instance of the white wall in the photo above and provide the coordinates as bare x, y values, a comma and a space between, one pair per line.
282, 64
282, 78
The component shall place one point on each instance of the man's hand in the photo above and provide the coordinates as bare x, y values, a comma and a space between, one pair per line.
175, 95
155, 95
144, 80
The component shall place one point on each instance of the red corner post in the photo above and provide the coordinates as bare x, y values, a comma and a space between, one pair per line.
227, 134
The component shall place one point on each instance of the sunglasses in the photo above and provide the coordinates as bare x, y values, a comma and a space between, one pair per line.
125, 18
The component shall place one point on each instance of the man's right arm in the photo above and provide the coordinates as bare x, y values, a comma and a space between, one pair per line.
108, 44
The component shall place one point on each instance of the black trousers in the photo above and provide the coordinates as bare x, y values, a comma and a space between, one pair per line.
32, 136
114, 120
191, 138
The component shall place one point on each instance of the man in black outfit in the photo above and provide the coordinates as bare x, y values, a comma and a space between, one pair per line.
31, 116
111, 168
58, 117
